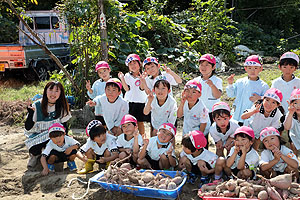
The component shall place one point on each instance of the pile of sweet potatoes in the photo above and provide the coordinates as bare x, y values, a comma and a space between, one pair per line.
279, 188
125, 175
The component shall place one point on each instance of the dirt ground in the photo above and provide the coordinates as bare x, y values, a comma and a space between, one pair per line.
16, 182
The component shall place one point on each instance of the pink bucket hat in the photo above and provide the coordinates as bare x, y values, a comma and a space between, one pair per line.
132, 57
220, 105
101, 65
245, 129
198, 139
268, 132
150, 60
275, 94
193, 84
116, 81
128, 118
91, 125
253, 60
56, 127
169, 127
209, 58
295, 94
290, 55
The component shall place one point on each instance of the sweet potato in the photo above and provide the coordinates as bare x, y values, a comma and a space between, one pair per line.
295, 185
283, 181
177, 180
228, 193
237, 190
206, 188
294, 191
126, 166
171, 186
231, 185
258, 188
147, 177
245, 184
242, 195
263, 195
162, 186
133, 179
273, 194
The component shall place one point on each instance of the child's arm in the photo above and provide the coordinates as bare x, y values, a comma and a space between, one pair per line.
29, 123
147, 108
112, 157
241, 162
172, 160
143, 85
124, 84
136, 145
142, 153
230, 89
91, 103
289, 118
289, 161
88, 86
248, 114
181, 105
202, 127
231, 159
70, 149
169, 71
45, 165
173, 114
215, 91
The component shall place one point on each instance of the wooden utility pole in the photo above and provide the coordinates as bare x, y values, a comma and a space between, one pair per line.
103, 32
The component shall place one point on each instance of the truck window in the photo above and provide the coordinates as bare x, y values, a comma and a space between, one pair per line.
42, 22
55, 23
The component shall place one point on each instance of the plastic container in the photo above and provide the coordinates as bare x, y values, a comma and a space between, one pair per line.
143, 191
224, 198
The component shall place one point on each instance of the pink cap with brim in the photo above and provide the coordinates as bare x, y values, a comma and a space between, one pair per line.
169, 127
150, 60
253, 60
220, 105
116, 81
132, 57
193, 84
275, 94
295, 94
244, 129
268, 132
209, 58
101, 65
91, 125
56, 127
290, 55
128, 118
198, 139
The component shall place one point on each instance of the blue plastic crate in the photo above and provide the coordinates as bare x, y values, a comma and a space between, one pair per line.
143, 191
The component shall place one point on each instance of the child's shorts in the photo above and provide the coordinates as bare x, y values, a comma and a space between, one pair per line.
137, 110
196, 170
61, 156
101, 119
154, 163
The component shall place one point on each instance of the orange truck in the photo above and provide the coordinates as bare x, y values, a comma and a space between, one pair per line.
28, 58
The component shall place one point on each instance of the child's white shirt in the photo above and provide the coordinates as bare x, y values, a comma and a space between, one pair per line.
123, 143
251, 161
154, 152
258, 121
68, 142
206, 93
167, 113
193, 117
294, 132
109, 144
267, 156
162, 76
242, 90
98, 88
206, 156
135, 94
112, 112
217, 135
286, 88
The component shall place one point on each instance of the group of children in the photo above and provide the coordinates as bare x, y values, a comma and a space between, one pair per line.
259, 116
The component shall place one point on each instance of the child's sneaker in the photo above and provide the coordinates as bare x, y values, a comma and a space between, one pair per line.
72, 165
51, 167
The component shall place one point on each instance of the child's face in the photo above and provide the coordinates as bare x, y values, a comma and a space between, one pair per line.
186, 150
134, 66
129, 128
104, 73
152, 69
53, 94
164, 135
222, 121
269, 104
296, 104
242, 142
59, 141
112, 92
161, 92
271, 142
192, 94
100, 139
206, 68
253, 71
287, 70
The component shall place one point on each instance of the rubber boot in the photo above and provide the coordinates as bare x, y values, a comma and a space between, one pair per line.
32, 160
88, 167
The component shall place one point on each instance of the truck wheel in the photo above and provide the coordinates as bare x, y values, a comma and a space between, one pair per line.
41, 71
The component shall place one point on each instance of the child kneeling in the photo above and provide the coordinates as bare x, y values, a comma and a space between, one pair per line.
198, 160
60, 148
100, 147
158, 152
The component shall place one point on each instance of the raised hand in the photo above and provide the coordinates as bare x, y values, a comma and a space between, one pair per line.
121, 75
150, 96
230, 79
91, 103
291, 107
88, 85
254, 97
209, 83
165, 68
